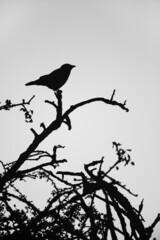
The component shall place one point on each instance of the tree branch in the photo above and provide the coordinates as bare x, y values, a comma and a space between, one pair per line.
98, 99
8, 104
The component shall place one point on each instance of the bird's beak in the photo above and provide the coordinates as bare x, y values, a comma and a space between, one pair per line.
73, 66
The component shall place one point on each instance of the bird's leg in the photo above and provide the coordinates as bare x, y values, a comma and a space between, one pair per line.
58, 93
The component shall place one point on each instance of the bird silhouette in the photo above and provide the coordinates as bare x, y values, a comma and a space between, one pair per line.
56, 79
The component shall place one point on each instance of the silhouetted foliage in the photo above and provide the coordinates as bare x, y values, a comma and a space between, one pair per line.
72, 210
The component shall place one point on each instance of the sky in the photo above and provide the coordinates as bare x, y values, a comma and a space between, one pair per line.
114, 45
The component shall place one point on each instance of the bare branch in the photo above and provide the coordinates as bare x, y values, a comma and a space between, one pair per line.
34, 132
98, 99
8, 105
51, 103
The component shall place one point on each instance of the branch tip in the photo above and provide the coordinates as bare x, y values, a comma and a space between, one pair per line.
34, 132
43, 125
113, 94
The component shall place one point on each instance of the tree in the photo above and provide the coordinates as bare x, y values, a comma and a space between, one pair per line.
72, 211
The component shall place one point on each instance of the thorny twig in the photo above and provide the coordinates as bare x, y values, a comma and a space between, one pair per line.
27, 113
8, 104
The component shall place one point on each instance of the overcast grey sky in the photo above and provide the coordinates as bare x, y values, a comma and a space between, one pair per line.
114, 45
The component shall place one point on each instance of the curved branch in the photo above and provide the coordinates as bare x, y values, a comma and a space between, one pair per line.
123, 201
98, 99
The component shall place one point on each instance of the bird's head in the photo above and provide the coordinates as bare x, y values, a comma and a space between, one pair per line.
67, 66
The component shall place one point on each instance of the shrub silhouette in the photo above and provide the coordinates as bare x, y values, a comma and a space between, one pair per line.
72, 211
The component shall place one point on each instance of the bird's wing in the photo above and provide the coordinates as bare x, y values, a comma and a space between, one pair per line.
42, 80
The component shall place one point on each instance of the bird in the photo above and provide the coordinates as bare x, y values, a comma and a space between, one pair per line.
56, 79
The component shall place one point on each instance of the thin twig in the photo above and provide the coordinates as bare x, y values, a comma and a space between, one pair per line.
9, 104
